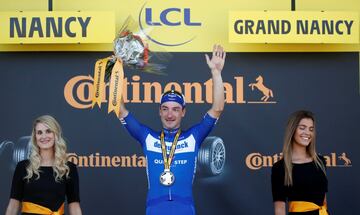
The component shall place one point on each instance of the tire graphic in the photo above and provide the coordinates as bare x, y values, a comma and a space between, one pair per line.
12, 153
210, 160
6, 149
21, 150
211, 156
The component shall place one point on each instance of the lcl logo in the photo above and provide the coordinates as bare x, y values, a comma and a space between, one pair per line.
167, 17
163, 17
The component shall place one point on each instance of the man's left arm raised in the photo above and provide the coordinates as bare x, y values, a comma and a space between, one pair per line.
216, 64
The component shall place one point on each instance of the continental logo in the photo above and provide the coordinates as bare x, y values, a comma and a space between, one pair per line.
96, 160
78, 91
266, 92
158, 21
256, 160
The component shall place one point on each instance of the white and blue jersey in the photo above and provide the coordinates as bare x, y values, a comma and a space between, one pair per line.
177, 198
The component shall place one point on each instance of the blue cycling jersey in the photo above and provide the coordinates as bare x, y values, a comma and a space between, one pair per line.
177, 198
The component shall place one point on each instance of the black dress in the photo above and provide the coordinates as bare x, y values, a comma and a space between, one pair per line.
45, 191
309, 184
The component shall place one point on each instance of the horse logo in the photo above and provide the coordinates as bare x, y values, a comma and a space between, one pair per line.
261, 87
345, 159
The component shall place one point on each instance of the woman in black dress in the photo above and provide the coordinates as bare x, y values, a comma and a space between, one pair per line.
299, 178
41, 183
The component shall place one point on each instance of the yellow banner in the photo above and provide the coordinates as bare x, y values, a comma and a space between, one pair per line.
116, 88
293, 27
38, 27
180, 26
99, 84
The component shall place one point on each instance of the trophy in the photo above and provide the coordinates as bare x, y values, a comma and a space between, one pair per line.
129, 50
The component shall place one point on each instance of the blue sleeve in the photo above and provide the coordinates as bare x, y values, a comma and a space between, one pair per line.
202, 129
136, 129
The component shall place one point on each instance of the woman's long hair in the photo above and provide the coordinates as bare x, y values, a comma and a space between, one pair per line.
290, 130
60, 167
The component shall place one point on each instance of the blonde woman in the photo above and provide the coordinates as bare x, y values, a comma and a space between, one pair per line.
300, 178
40, 184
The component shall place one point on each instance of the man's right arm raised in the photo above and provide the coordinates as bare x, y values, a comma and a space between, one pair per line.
123, 111
134, 127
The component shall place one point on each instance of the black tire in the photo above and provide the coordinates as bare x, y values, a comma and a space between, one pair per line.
21, 150
6, 152
211, 156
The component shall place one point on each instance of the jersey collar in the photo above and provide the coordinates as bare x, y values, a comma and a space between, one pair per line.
170, 131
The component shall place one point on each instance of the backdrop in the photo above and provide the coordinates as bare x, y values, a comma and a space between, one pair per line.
111, 163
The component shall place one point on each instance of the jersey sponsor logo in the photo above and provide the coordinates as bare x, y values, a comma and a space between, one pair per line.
183, 146
168, 148
175, 162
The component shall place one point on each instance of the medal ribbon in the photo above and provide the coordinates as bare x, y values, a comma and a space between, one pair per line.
168, 160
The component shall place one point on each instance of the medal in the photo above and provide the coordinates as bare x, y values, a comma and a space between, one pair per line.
167, 178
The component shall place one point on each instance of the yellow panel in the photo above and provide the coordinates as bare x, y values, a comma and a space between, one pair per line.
328, 5
293, 27
213, 16
56, 27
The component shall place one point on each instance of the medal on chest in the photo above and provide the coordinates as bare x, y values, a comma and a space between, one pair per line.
167, 178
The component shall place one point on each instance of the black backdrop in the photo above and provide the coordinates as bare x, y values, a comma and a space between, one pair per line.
32, 84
